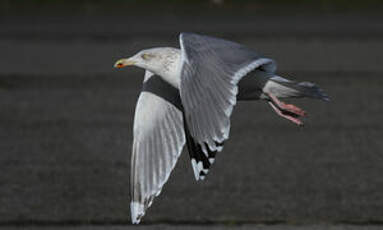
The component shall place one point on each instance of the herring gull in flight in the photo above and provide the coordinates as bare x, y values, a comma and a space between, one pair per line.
188, 96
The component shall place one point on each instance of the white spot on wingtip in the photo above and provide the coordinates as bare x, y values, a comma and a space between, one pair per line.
200, 166
211, 160
195, 169
137, 211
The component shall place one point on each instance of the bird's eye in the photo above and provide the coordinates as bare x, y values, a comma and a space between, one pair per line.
147, 56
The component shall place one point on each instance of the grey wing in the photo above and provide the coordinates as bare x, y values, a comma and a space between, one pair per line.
158, 141
211, 69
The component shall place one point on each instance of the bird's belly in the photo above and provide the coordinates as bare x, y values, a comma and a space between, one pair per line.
161, 88
173, 80
249, 88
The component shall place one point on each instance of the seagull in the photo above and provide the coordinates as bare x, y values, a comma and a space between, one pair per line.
188, 96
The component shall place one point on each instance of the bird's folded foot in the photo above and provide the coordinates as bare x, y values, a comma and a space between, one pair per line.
288, 111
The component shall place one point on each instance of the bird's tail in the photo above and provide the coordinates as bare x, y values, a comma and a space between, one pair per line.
284, 88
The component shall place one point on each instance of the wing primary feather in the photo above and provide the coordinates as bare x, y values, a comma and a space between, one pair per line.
200, 161
158, 141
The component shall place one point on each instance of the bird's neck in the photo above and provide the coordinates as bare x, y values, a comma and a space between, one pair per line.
171, 67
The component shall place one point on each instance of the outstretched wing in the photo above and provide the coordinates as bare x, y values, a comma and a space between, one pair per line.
211, 69
158, 141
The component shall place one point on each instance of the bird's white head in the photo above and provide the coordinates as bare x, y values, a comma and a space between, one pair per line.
156, 60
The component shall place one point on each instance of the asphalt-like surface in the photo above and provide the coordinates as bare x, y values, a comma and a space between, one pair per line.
214, 227
66, 127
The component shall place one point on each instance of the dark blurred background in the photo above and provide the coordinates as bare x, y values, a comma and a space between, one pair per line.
66, 116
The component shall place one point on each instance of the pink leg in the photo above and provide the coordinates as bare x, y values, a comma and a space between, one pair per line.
287, 107
288, 117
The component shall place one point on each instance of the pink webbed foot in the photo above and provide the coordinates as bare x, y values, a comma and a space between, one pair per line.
288, 111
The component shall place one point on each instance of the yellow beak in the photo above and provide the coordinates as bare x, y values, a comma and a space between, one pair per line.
124, 62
